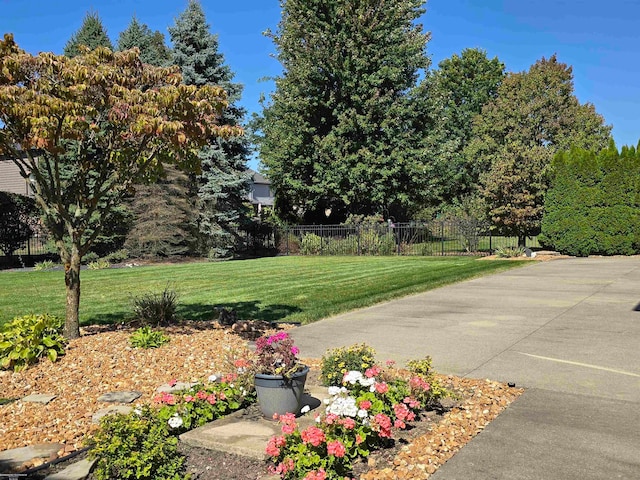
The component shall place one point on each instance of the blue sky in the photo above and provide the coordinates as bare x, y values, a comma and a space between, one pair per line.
599, 40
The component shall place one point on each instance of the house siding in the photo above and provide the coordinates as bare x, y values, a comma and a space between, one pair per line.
11, 180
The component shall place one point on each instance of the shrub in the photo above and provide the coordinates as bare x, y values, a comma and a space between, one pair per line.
145, 337
118, 256
592, 204
509, 252
99, 264
156, 309
289, 243
311, 244
27, 339
137, 445
338, 361
44, 266
422, 374
90, 257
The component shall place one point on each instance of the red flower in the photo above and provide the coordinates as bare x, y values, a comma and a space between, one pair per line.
336, 448
382, 388
365, 404
313, 435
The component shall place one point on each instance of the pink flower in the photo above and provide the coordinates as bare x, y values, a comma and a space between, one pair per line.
201, 395
336, 448
382, 425
316, 475
229, 378
189, 398
372, 372
167, 398
222, 396
412, 402
295, 350
382, 388
399, 424
283, 467
212, 399
359, 439
173, 382
390, 363
365, 404
417, 383
348, 423
313, 435
274, 444
288, 421
331, 418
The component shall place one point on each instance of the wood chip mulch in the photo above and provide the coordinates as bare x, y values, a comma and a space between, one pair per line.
102, 361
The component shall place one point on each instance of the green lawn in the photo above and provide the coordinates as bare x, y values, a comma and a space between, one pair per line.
301, 289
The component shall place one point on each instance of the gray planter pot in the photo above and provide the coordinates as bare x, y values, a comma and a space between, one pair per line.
279, 395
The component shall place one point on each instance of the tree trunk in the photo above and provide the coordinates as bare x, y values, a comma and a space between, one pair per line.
72, 281
522, 241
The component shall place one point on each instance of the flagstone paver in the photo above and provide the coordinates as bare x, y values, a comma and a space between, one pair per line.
119, 397
42, 398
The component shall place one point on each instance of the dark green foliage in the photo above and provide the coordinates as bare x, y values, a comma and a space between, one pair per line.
534, 115
18, 217
222, 185
446, 102
27, 339
593, 205
153, 49
136, 446
335, 134
91, 34
156, 309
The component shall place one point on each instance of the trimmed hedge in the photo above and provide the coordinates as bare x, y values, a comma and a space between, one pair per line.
593, 204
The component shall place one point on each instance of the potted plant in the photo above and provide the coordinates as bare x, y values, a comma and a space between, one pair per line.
279, 377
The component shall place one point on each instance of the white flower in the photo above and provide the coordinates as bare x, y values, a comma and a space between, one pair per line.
137, 411
213, 378
352, 377
318, 418
241, 370
362, 413
175, 421
367, 382
334, 390
305, 409
243, 391
343, 406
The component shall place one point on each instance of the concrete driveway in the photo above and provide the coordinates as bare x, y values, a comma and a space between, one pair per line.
567, 330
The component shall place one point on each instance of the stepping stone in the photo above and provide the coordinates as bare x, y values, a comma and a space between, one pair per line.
112, 410
10, 459
178, 387
42, 398
119, 397
77, 471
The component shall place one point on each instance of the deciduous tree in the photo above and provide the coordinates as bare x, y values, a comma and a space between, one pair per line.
111, 119
336, 135
534, 115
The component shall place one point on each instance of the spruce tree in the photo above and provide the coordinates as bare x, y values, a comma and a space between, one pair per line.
153, 49
336, 136
222, 185
91, 34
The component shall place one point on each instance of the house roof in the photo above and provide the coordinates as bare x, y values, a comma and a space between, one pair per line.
259, 178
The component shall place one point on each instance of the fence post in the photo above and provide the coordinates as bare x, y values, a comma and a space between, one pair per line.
286, 232
490, 245
442, 238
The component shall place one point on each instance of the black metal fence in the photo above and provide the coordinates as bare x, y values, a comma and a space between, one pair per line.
34, 250
414, 238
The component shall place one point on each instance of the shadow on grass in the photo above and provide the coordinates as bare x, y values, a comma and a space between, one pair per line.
250, 310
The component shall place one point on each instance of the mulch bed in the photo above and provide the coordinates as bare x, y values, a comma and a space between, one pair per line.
102, 361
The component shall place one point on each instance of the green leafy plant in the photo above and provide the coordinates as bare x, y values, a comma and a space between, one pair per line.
145, 337
421, 374
26, 339
311, 244
118, 256
509, 252
138, 445
44, 265
202, 403
338, 361
156, 308
99, 264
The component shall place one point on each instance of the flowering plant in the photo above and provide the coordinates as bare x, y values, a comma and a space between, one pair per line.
277, 355
360, 415
203, 403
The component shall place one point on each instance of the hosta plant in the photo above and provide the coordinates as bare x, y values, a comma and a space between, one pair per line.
26, 339
146, 337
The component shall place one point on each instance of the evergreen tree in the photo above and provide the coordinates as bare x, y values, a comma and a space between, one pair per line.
593, 204
91, 34
535, 115
336, 136
222, 185
446, 102
153, 49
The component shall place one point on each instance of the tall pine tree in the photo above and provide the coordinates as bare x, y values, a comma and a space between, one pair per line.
336, 136
222, 185
153, 49
91, 34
